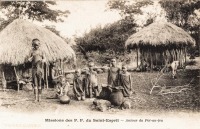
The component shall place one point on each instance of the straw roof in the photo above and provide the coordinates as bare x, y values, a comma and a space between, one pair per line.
16, 43
160, 34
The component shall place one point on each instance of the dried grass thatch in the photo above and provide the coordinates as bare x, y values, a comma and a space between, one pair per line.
160, 34
16, 43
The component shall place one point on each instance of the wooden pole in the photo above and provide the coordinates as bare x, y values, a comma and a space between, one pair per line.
3, 76
156, 54
63, 67
60, 72
172, 52
185, 56
46, 76
182, 57
161, 54
179, 56
151, 60
165, 58
137, 57
142, 57
17, 78
4, 83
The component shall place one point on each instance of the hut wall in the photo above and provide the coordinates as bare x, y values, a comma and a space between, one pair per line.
1, 76
1, 70
159, 57
133, 58
182, 57
148, 57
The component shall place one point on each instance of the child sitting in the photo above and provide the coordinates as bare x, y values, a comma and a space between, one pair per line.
78, 86
62, 87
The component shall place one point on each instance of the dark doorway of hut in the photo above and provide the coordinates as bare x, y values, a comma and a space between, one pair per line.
10, 77
17, 77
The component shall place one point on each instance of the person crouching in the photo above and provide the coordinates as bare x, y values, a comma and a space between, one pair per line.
62, 87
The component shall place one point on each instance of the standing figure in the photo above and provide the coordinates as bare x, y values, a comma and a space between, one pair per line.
37, 58
125, 82
91, 81
78, 86
113, 74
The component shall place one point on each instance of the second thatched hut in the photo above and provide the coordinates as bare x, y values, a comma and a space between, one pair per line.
159, 44
16, 45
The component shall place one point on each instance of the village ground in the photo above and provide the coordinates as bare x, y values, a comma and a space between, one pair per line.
186, 100
173, 101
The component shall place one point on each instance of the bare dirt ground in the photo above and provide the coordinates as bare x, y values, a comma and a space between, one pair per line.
184, 105
187, 100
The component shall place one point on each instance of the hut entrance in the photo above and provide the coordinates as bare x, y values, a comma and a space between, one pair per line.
15, 76
12, 75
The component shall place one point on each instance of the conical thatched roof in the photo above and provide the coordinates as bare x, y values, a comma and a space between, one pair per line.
16, 43
160, 33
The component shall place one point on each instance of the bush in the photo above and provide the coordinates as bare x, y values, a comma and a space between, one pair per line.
110, 38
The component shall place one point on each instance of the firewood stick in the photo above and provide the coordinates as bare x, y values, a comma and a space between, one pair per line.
17, 101
173, 92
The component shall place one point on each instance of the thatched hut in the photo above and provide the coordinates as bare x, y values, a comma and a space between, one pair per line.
16, 45
160, 43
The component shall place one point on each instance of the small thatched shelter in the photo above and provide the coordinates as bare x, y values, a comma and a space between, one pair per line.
160, 43
16, 45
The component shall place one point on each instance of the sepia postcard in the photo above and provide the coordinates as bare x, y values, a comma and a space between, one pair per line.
100, 64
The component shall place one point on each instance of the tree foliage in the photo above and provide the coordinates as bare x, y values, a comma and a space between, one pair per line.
182, 13
179, 12
112, 37
127, 8
109, 38
35, 10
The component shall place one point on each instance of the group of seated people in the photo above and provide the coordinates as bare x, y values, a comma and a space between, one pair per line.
85, 82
